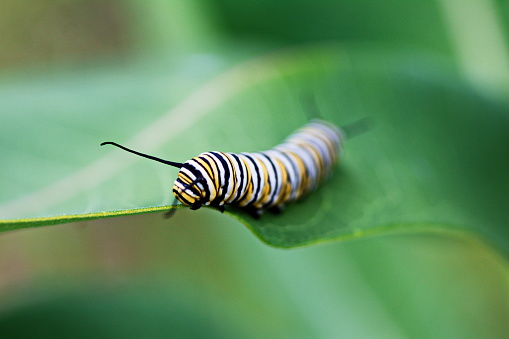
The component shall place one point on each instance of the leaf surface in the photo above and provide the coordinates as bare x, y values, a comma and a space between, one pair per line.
436, 155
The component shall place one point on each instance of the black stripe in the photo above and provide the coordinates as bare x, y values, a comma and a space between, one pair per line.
289, 178
233, 175
256, 188
220, 198
208, 187
195, 189
242, 177
295, 171
276, 181
181, 198
198, 174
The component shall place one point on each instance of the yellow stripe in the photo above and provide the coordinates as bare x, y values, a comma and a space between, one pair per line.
184, 179
249, 188
215, 170
285, 187
187, 197
303, 179
320, 163
204, 165
232, 174
210, 174
264, 197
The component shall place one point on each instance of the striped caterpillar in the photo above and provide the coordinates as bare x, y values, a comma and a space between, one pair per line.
258, 181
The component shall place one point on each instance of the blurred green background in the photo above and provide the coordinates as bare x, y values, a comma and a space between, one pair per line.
204, 274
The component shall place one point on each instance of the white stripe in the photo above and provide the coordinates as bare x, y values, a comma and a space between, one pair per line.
234, 185
209, 182
254, 178
269, 173
222, 175
242, 184
290, 170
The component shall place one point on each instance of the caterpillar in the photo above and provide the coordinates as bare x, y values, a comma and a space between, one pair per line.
258, 181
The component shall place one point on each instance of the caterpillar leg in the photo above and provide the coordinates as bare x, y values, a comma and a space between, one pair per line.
196, 206
278, 209
219, 207
254, 212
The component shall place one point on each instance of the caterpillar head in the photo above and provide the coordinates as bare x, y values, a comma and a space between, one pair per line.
189, 186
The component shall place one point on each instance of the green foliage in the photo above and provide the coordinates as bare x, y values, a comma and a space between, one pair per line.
410, 23
431, 169
423, 164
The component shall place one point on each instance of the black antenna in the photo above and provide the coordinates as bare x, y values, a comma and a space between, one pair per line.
171, 163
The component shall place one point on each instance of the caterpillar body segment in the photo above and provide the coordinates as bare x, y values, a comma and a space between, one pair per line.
258, 181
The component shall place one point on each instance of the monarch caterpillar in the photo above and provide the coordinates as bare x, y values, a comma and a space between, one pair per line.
259, 181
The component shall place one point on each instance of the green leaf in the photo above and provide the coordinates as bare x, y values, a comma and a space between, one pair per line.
397, 23
436, 156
